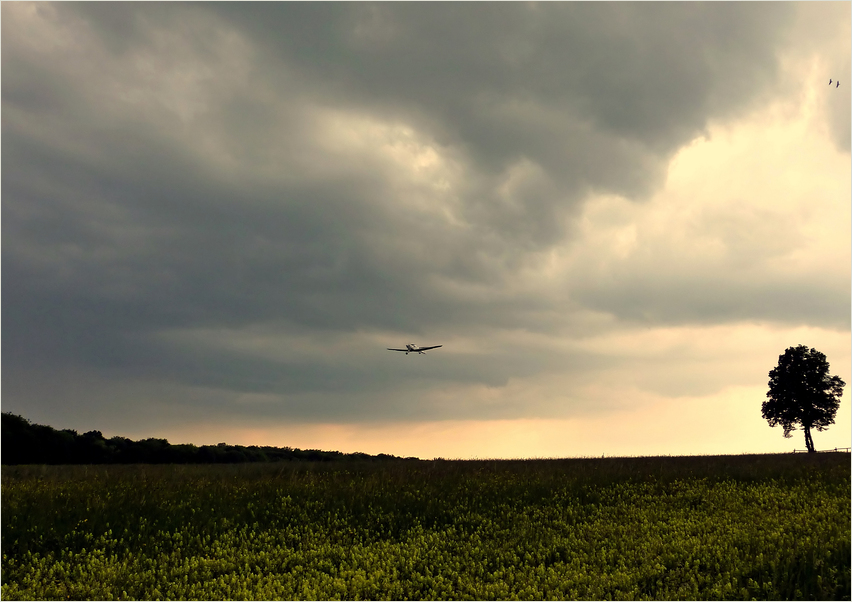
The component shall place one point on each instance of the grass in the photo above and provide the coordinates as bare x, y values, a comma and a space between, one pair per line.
723, 527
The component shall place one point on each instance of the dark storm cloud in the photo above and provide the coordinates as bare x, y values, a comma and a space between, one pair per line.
597, 95
164, 170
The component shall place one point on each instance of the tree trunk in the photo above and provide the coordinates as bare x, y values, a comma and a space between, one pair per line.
809, 442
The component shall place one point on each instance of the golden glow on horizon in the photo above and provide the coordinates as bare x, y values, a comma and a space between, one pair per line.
727, 423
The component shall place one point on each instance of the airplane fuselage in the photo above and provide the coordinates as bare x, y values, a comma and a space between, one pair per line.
412, 348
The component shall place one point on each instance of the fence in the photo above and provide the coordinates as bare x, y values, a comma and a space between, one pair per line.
836, 449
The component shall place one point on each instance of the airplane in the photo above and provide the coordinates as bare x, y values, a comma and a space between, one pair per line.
412, 348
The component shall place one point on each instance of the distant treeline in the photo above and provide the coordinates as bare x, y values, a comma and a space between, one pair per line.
27, 443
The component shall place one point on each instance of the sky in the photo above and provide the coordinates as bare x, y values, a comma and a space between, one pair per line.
217, 217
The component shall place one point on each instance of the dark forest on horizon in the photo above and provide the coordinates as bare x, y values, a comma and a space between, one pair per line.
24, 442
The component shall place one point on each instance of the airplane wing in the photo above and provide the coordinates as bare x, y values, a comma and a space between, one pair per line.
389, 349
427, 348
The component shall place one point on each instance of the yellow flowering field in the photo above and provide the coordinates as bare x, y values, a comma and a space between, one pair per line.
724, 527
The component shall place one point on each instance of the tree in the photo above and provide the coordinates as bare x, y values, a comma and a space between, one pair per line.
802, 392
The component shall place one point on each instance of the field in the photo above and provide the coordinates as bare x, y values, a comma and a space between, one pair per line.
724, 527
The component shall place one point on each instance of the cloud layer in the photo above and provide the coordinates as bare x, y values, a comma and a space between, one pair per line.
232, 209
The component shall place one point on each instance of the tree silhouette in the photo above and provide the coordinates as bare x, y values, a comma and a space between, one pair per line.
24, 442
802, 392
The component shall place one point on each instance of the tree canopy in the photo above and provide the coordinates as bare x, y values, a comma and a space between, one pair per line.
802, 392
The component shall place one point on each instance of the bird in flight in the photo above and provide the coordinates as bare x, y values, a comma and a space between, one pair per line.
838, 85
829, 81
